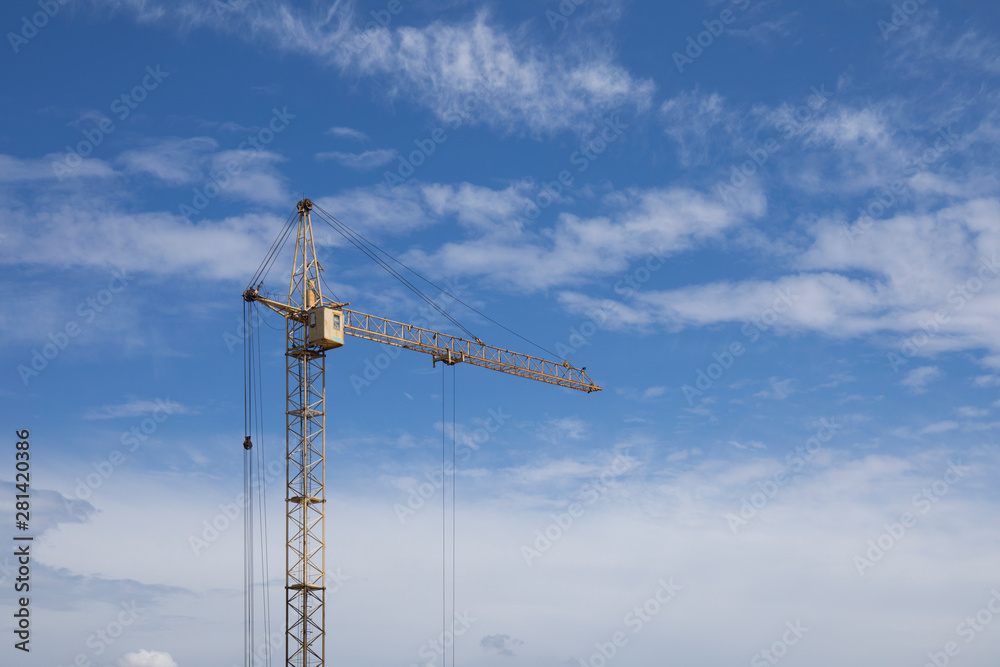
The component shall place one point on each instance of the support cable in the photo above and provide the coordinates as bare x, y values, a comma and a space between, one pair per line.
444, 533
254, 493
454, 508
444, 513
376, 248
357, 241
247, 472
261, 489
273, 251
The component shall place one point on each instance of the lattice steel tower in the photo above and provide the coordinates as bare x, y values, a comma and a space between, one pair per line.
305, 419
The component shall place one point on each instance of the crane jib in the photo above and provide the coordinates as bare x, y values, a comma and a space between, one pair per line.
453, 349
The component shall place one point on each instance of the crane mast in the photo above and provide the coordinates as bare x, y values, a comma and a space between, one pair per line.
305, 420
313, 325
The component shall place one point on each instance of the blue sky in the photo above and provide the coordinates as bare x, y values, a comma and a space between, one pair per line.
769, 229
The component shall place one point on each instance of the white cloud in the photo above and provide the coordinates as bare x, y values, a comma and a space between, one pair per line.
360, 161
508, 82
560, 430
555, 471
583, 249
500, 644
175, 161
18, 170
934, 272
378, 208
683, 454
479, 208
700, 125
766, 32
654, 392
918, 378
516, 86
971, 412
347, 133
939, 427
749, 444
93, 233
257, 180
780, 389
138, 408
501, 249
813, 301
849, 128
144, 658
248, 175
663, 522
926, 46
986, 381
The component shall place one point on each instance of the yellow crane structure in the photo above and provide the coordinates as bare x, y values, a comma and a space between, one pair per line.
314, 324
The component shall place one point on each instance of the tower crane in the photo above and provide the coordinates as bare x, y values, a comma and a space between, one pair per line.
315, 324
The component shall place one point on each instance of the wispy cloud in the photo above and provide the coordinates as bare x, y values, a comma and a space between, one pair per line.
918, 378
137, 408
500, 644
360, 161
145, 658
654, 392
940, 427
780, 389
347, 133
442, 65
